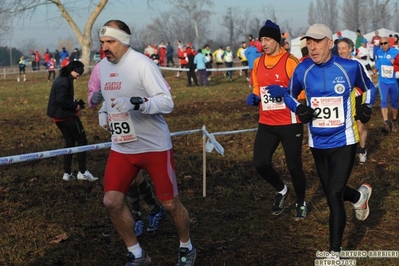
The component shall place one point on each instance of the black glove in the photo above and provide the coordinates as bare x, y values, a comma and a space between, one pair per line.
82, 104
363, 113
305, 113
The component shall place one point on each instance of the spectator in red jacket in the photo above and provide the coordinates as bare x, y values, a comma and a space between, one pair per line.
65, 62
162, 53
47, 55
102, 54
182, 55
37, 59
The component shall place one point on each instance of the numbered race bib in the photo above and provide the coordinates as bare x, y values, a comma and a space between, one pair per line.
269, 103
387, 71
330, 111
121, 126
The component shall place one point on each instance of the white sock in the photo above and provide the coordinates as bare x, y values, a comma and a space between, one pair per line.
284, 191
136, 250
186, 245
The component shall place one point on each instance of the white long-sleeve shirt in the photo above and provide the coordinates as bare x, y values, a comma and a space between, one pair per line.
136, 75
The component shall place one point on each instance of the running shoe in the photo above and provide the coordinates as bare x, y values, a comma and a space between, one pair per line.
145, 260
278, 205
362, 206
186, 257
386, 128
86, 176
68, 177
138, 226
363, 157
155, 219
394, 126
301, 211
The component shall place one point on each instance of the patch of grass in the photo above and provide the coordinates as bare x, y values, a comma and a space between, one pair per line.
231, 226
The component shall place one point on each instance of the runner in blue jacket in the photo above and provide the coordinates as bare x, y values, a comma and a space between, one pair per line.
329, 83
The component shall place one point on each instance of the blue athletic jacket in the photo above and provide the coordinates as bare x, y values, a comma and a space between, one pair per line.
384, 65
330, 90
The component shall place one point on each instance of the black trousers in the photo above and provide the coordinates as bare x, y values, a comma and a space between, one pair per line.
334, 167
169, 59
266, 142
73, 133
191, 74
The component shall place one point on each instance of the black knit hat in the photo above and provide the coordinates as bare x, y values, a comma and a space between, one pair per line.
271, 30
76, 66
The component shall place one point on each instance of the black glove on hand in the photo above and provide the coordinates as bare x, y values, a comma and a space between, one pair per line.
363, 113
305, 113
82, 104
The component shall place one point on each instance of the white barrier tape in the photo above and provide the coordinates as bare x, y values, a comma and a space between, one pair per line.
163, 68
210, 145
208, 69
234, 132
52, 153
185, 132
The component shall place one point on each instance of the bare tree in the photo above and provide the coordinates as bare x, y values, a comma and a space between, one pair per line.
380, 14
228, 21
325, 12
312, 16
26, 8
395, 14
187, 20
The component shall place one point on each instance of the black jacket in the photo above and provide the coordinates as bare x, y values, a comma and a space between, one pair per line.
61, 103
190, 63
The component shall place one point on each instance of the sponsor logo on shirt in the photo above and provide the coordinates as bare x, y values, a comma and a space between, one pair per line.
111, 86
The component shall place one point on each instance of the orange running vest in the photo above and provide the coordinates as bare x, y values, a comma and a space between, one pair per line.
276, 75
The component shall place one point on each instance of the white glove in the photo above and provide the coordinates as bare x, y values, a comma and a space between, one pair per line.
103, 120
122, 104
397, 75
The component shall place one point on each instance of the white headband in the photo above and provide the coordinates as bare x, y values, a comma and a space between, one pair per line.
119, 35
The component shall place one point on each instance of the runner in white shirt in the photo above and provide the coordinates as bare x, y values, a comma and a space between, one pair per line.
135, 98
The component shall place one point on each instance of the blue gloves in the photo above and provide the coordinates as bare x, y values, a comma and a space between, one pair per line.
253, 99
276, 91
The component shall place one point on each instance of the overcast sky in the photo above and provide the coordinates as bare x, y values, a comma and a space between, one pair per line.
47, 32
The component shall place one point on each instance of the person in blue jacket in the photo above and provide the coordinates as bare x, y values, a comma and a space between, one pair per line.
251, 53
387, 82
329, 83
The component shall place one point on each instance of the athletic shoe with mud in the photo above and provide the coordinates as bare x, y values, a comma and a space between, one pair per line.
68, 177
363, 157
362, 207
155, 219
143, 261
186, 257
301, 211
138, 226
86, 176
386, 128
278, 205
394, 126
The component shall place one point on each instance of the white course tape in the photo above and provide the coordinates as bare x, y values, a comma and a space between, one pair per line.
211, 144
208, 69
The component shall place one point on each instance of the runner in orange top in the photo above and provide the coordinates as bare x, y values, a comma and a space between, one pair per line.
271, 75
